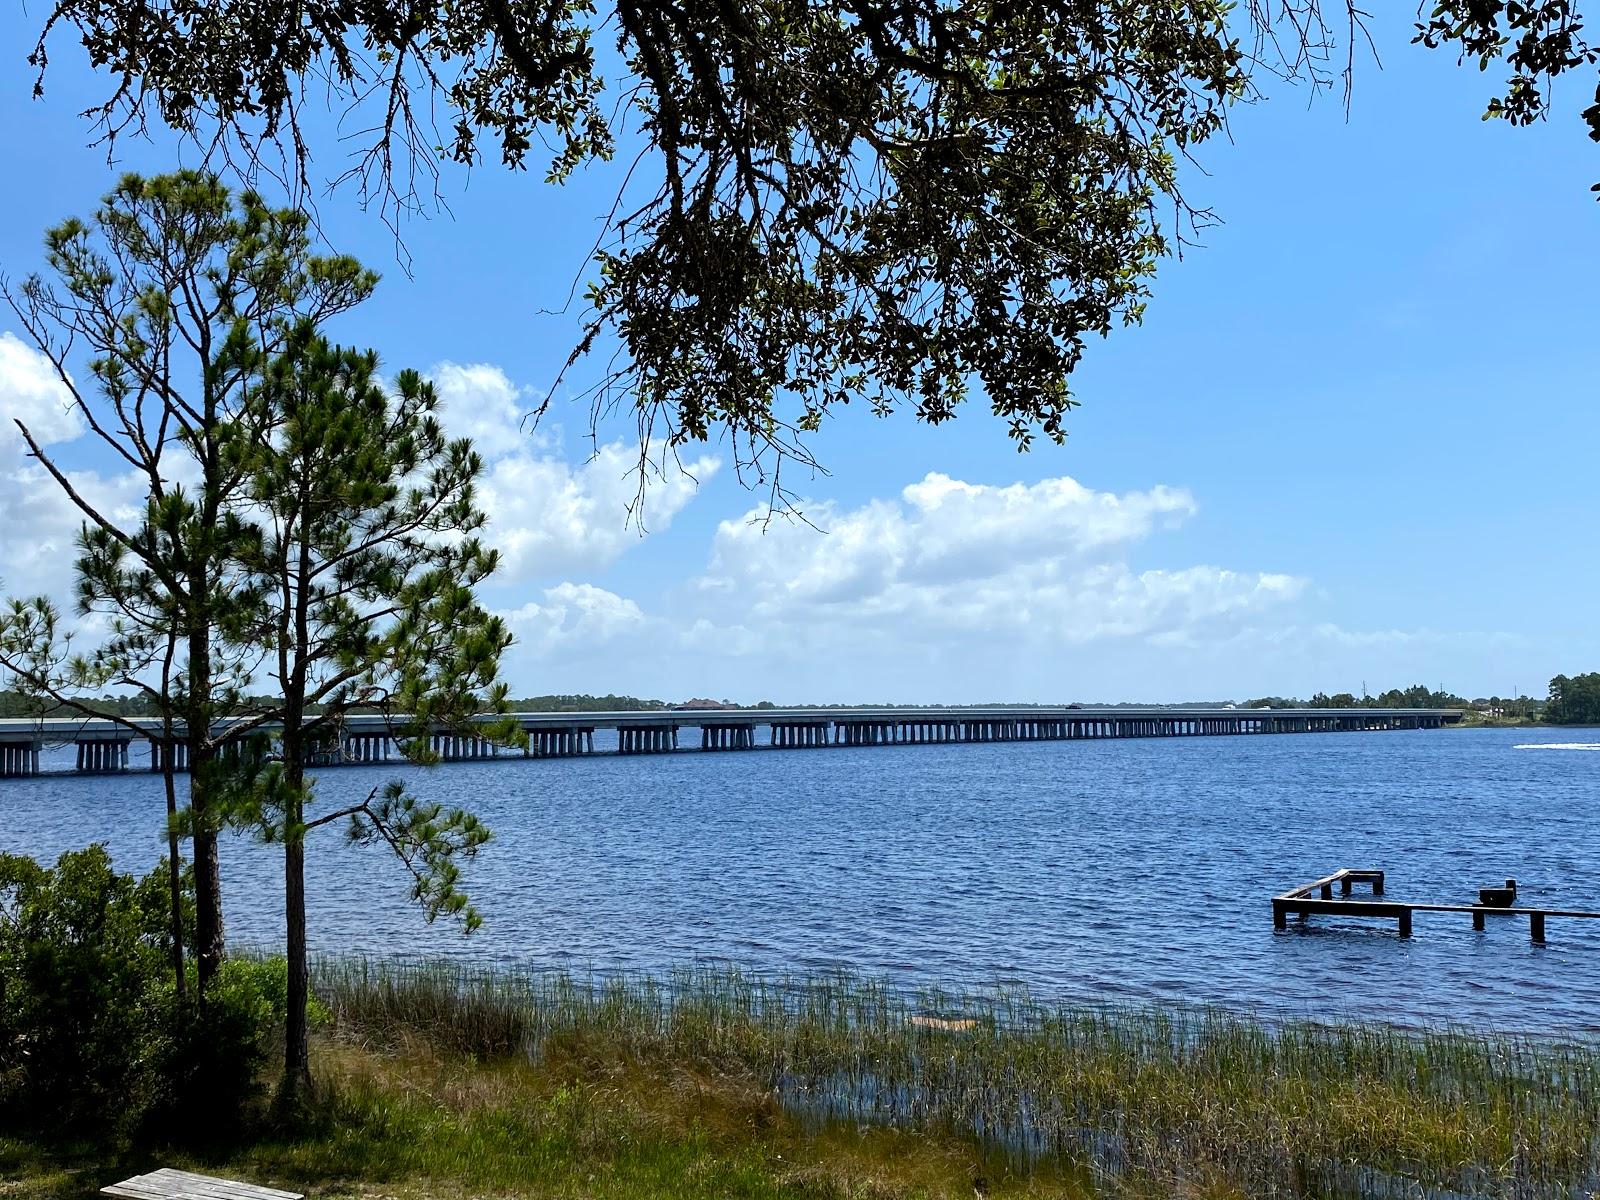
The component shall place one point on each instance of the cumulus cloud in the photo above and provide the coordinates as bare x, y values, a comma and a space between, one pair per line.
31, 503
480, 402
551, 517
949, 588
31, 392
947, 591
952, 558
547, 516
578, 624
965, 529
578, 610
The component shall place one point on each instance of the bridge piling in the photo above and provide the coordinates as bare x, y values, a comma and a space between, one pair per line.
18, 759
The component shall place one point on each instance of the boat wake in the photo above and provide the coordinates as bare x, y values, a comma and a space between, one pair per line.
1560, 746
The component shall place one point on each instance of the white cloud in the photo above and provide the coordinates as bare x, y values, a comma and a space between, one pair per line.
576, 624
478, 401
964, 529
41, 559
547, 516
951, 591
577, 610
30, 392
42, 524
953, 559
551, 518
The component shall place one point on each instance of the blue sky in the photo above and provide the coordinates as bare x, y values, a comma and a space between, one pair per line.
1353, 440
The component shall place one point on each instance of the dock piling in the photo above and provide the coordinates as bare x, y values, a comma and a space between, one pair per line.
1317, 897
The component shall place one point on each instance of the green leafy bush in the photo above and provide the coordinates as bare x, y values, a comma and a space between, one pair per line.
94, 1040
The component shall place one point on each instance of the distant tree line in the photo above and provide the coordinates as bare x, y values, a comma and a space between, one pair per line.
1416, 696
1574, 700
579, 702
16, 704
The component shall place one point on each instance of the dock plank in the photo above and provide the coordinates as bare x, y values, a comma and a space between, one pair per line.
1301, 902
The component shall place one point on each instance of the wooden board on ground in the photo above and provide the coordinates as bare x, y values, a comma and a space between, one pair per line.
949, 1024
167, 1184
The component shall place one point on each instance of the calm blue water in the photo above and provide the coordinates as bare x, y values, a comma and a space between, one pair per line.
1127, 870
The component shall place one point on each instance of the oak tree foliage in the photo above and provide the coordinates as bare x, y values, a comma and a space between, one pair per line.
890, 202
1536, 40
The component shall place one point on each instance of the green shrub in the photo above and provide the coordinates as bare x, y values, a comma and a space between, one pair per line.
82, 1015
93, 1038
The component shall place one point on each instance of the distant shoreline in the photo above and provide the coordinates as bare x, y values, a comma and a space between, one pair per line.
1508, 723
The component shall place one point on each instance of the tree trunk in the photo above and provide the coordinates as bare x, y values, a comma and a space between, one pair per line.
209, 946
294, 649
296, 1086
297, 1039
174, 871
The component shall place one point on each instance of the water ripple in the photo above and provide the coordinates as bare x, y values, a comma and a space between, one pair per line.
1135, 869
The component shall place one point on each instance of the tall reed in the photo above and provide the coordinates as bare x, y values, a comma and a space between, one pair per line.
1132, 1094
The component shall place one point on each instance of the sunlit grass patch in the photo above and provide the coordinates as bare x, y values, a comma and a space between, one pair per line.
407, 1120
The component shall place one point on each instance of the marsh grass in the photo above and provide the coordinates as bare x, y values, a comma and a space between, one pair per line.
1120, 1100
446, 1082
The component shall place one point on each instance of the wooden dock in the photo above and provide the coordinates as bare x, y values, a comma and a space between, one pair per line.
1317, 897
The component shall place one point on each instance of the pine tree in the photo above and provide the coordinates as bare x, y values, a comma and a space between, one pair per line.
365, 575
176, 293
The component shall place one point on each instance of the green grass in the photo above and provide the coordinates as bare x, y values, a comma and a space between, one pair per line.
447, 1081
405, 1121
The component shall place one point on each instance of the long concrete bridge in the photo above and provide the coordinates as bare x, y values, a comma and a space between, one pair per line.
103, 746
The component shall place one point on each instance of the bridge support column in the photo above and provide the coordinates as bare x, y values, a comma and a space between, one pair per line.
102, 757
728, 737
18, 759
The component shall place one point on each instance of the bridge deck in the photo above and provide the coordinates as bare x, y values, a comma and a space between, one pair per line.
103, 742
